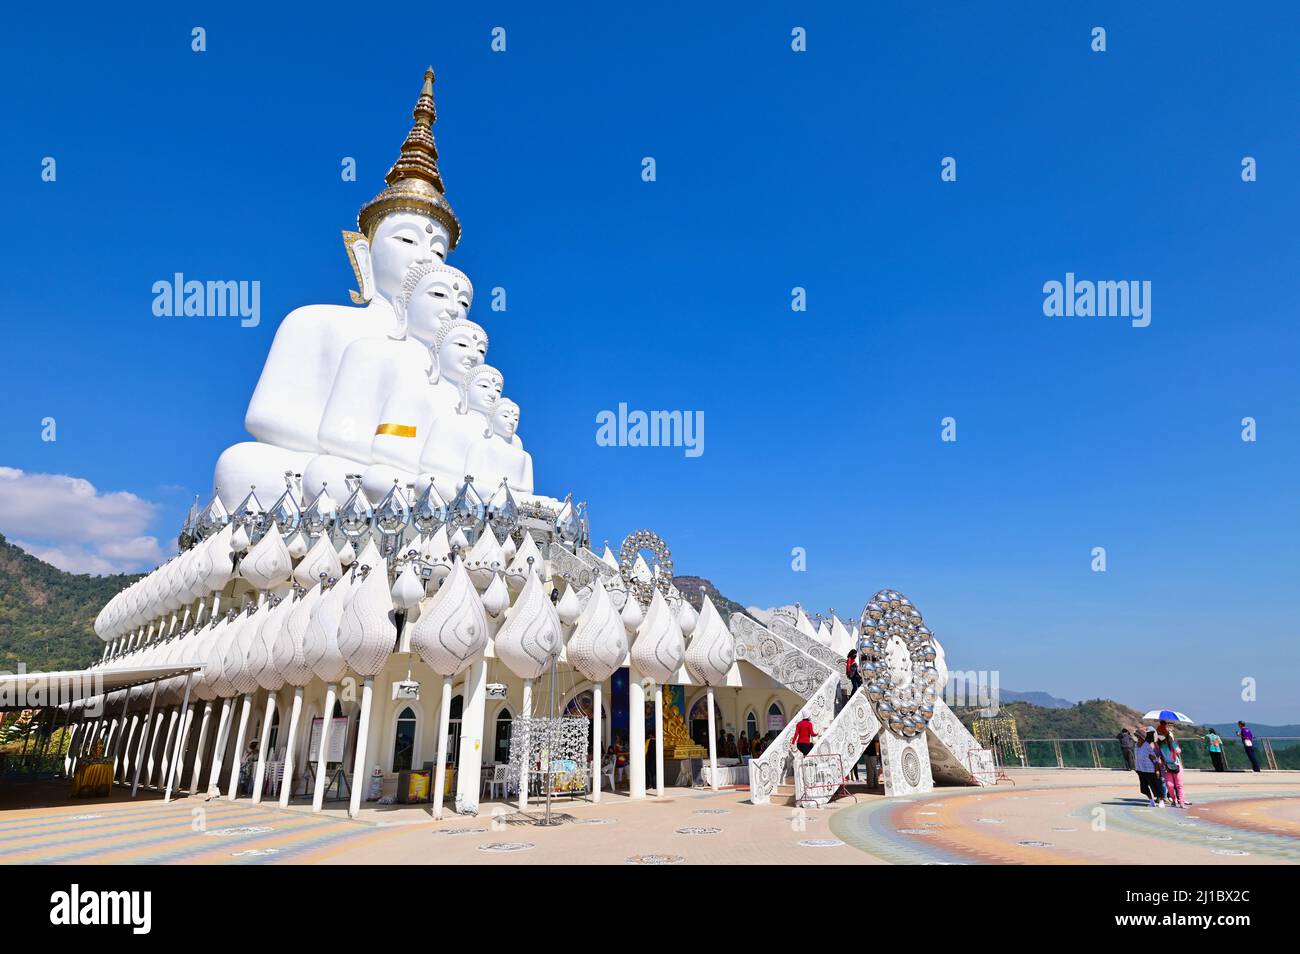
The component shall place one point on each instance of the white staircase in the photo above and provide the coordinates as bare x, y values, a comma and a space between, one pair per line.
947, 752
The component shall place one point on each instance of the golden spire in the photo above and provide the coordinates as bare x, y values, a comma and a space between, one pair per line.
414, 182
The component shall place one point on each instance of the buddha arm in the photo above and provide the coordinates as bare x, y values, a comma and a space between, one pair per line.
285, 407
347, 427
403, 425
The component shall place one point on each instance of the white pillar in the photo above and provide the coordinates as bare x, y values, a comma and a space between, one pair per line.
219, 749
175, 767
318, 796
167, 746
713, 739
659, 739
363, 734
440, 767
144, 740
151, 759
260, 774
526, 763
233, 788
596, 756
469, 776
635, 734
198, 749
286, 777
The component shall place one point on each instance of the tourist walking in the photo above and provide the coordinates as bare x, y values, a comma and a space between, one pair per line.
851, 670
1147, 766
804, 735
1248, 742
1126, 745
1171, 759
1216, 750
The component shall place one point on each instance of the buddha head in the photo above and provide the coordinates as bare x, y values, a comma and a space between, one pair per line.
432, 294
411, 220
459, 347
505, 419
481, 390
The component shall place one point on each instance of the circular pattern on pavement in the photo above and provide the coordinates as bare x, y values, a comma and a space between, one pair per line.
698, 830
654, 860
502, 846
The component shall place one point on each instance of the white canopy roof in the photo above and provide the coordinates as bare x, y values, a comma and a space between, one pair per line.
34, 690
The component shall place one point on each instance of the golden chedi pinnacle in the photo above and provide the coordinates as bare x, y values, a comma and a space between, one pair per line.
414, 182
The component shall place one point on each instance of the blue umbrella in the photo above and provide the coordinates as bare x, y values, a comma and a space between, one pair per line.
1168, 715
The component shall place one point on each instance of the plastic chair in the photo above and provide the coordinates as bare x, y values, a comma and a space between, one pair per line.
498, 779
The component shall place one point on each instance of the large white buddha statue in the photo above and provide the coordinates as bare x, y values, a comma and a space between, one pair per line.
409, 221
451, 436
388, 389
498, 454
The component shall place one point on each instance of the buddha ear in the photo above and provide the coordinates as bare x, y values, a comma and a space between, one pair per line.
358, 247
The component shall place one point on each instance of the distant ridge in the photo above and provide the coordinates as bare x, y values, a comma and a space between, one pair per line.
47, 616
1036, 698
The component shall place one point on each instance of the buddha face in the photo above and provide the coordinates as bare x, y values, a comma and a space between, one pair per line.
400, 239
484, 391
505, 419
461, 351
443, 296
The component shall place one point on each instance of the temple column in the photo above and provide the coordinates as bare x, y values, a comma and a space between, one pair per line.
260, 772
659, 739
198, 748
713, 738
244, 712
179, 757
440, 767
636, 734
144, 739
318, 796
287, 776
596, 758
469, 780
219, 749
167, 744
363, 738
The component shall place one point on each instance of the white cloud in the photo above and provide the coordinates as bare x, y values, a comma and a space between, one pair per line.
68, 523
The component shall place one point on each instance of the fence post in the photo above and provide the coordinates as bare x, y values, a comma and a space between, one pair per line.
1056, 745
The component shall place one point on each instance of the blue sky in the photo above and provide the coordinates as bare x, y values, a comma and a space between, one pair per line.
775, 169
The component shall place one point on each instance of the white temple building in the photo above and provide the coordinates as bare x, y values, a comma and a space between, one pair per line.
377, 591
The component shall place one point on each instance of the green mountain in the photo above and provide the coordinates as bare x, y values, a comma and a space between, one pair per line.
47, 616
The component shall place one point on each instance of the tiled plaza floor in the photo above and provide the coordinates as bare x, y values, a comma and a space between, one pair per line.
1047, 817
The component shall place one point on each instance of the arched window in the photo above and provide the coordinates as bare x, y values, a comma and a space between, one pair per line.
505, 723
775, 718
275, 730
453, 731
751, 724
404, 740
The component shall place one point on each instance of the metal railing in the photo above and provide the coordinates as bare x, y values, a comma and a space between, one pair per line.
1273, 752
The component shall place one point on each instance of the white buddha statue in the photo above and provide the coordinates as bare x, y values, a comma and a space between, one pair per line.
451, 436
387, 387
409, 221
497, 455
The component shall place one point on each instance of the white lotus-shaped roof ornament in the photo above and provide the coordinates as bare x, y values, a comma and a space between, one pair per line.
205, 652
407, 589
452, 629
823, 634
268, 564
221, 652
599, 642
687, 618
322, 558
569, 608
366, 632
288, 655
321, 642
261, 657
238, 664
531, 636
841, 639
496, 598
659, 645
222, 570
517, 572
485, 560
631, 615
712, 651
803, 624
608, 557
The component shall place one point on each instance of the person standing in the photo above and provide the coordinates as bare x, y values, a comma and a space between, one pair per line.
1216, 750
1126, 745
1248, 742
804, 735
1147, 766
851, 670
1171, 757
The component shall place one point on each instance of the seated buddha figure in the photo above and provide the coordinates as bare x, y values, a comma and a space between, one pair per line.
434, 297
498, 455
451, 436
409, 221
459, 346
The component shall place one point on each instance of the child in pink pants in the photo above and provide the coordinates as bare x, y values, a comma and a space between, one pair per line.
1172, 763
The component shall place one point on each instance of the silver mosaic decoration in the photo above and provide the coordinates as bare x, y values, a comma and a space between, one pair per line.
535, 742
633, 545
898, 671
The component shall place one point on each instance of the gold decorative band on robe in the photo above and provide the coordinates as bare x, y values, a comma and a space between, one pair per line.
396, 430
